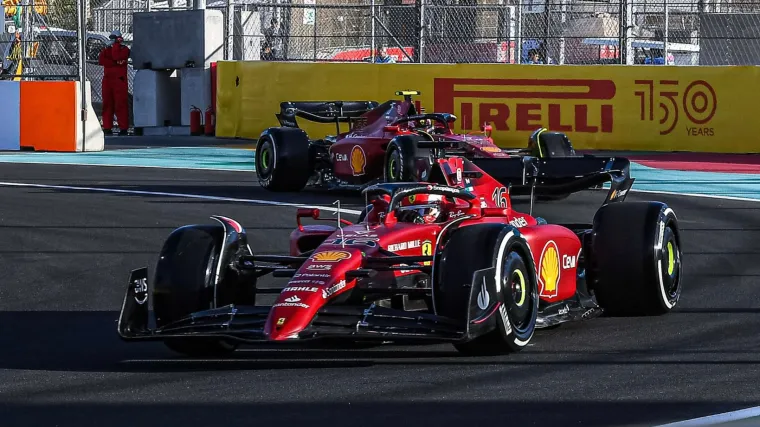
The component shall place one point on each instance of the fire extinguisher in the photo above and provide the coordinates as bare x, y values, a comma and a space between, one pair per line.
195, 121
209, 121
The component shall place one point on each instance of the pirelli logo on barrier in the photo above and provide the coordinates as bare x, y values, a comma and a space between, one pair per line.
565, 105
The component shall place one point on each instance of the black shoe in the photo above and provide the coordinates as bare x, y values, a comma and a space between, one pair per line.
123, 133
107, 132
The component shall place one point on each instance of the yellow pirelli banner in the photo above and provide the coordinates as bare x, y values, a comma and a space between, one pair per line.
603, 107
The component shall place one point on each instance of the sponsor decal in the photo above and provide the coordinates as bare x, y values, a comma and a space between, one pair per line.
293, 301
300, 289
490, 149
456, 214
505, 319
141, 290
563, 105
483, 297
332, 290
340, 157
311, 282
326, 276
568, 261
280, 321
404, 246
442, 189
549, 270
459, 175
427, 250
519, 222
319, 267
412, 198
355, 242
698, 102
358, 160
331, 256
615, 194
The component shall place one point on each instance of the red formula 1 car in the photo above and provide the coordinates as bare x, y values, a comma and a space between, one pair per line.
449, 260
388, 142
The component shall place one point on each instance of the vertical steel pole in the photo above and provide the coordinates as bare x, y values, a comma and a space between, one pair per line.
421, 53
372, 50
665, 41
82, 30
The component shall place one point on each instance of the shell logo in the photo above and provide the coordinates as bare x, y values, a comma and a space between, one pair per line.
490, 149
358, 160
549, 270
331, 256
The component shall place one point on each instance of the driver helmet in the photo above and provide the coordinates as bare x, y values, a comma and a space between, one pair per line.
420, 208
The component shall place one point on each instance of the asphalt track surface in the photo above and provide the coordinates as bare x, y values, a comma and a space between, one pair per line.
66, 255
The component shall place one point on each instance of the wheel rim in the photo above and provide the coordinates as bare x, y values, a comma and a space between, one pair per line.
394, 166
265, 158
670, 264
519, 298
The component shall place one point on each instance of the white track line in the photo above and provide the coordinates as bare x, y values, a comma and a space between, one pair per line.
211, 169
711, 420
189, 196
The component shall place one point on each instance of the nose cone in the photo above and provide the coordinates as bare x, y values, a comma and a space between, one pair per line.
291, 313
317, 281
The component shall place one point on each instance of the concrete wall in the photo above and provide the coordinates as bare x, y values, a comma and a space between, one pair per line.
171, 39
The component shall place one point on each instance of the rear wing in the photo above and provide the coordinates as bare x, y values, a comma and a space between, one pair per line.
560, 176
322, 111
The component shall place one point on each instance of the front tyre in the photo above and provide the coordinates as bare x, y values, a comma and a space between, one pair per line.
184, 284
637, 259
483, 246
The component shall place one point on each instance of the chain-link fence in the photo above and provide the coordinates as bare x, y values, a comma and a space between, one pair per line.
681, 32
39, 40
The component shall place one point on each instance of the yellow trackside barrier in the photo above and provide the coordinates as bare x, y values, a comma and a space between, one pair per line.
606, 107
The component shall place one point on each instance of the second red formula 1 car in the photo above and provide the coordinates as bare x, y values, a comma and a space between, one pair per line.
449, 260
388, 142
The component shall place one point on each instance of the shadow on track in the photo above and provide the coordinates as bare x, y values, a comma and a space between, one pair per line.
87, 341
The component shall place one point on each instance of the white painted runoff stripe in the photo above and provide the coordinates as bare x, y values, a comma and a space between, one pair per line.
189, 196
705, 196
717, 419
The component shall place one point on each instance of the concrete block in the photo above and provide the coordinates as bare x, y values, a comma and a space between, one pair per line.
196, 90
10, 116
171, 39
156, 98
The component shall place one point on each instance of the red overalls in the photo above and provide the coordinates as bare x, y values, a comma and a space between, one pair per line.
115, 85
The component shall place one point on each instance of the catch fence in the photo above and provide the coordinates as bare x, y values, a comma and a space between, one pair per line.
681, 32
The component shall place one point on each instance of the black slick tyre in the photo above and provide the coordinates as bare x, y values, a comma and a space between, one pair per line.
282, 159
484, 246
184, 283
404, 161
637, 259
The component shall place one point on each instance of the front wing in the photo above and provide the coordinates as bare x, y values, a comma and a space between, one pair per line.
350, 322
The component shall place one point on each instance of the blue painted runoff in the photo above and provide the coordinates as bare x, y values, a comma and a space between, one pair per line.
237, 159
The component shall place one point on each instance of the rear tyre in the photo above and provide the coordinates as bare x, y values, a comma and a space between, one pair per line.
478, 247
283, 160
637, 259
184, 284
404, 162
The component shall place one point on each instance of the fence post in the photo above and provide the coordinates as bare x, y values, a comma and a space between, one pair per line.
372, 52
421, 44
82, 40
